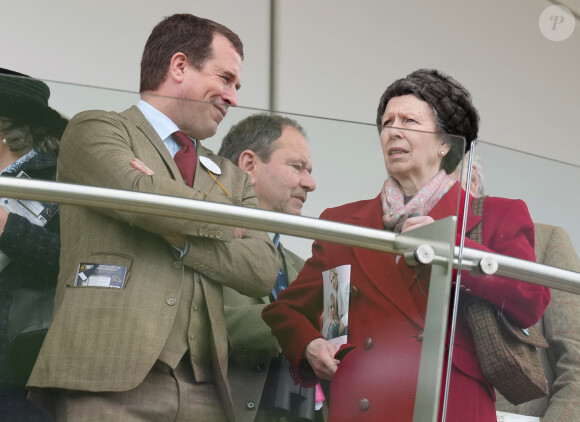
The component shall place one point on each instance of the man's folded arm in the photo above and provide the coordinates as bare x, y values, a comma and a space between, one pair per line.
97, 150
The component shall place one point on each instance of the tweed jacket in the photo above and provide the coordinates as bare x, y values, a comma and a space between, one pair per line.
560, 324
253, 345
107, 339
378, 369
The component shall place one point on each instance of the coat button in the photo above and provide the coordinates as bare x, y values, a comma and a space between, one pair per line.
170, 301
251, 405
260, 367
420, 336
177, 265
364, 404
368, 343
354, 291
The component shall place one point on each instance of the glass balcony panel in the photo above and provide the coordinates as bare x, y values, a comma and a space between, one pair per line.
349, 165
551, 230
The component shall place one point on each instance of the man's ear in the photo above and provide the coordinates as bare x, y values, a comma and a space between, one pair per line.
177, 66
249, 162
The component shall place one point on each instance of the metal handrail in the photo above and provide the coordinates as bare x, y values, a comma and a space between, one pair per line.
307, 227
211, 212
520, 269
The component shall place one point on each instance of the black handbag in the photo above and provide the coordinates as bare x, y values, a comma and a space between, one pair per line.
28, 321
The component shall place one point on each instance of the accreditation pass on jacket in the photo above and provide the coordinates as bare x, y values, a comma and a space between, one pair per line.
100, 275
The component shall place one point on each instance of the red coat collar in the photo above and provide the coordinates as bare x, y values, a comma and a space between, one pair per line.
381, 270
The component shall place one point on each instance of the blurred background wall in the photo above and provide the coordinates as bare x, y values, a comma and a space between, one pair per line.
333, 59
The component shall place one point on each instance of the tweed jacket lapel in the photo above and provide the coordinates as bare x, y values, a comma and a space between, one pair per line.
203, 180
134, 115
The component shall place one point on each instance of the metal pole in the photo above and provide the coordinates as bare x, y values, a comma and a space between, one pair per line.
310, 228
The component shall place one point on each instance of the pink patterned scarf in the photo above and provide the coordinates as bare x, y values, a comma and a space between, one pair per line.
396, 212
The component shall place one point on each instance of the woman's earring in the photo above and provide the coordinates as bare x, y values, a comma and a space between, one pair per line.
4, 141
441, 153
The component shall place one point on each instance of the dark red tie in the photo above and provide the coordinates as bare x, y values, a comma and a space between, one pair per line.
185, 158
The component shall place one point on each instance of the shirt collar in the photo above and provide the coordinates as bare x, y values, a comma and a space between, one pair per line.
162, 124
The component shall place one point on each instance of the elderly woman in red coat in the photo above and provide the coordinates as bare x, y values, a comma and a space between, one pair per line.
374, 376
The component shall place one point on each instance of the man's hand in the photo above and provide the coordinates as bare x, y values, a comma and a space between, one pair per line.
239, 232
137, 164
320, 354
175, 240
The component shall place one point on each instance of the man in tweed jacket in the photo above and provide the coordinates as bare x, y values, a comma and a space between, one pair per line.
152, 346
560, 325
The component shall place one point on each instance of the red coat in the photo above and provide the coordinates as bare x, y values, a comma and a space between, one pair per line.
386, 315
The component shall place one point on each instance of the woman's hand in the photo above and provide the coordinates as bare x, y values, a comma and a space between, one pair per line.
416, 222
320, 354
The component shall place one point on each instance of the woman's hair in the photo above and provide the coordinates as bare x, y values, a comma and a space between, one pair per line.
451, 103
21, 137
478, 172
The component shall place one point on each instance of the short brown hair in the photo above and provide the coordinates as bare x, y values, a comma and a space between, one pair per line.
185, 33
258, 133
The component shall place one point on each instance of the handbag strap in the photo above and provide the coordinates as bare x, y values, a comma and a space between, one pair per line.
531, 335
476, 234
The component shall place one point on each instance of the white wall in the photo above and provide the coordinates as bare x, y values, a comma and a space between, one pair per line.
99, 43
337, 56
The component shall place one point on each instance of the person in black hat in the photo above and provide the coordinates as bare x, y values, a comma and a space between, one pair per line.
29, 252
